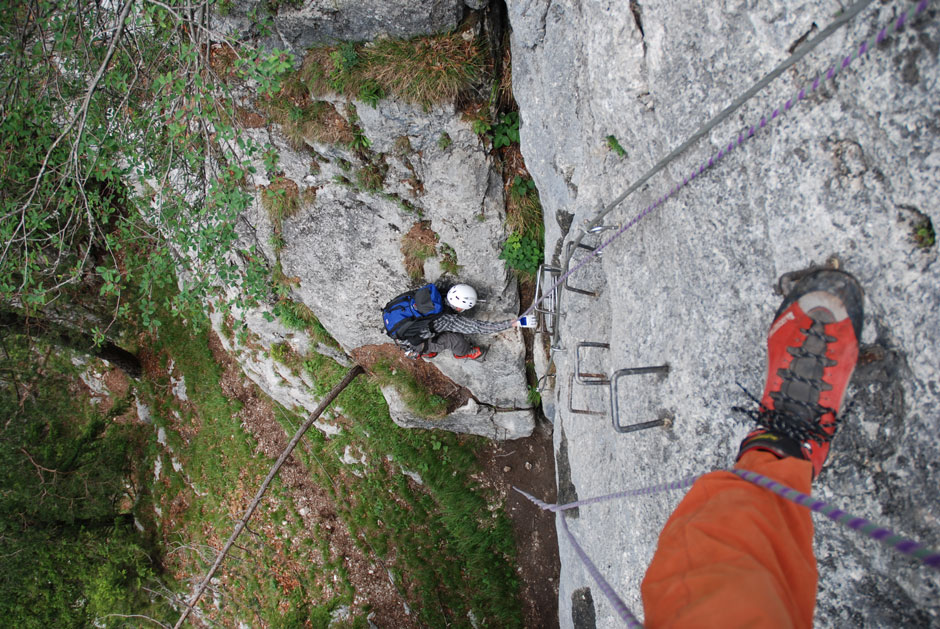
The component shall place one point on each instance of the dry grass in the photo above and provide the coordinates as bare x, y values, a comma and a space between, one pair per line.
427, 70
419, 244
524, 215
315, 70
312, 122
281, 199
423, 70
371, 177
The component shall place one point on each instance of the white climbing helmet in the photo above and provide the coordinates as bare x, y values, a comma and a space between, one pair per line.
462, 297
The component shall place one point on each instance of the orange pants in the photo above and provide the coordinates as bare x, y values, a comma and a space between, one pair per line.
736, 555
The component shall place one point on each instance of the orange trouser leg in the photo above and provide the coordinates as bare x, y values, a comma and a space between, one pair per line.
736, 555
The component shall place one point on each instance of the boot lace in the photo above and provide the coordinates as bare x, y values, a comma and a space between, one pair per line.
788, 424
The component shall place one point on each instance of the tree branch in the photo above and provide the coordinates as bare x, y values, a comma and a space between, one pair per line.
82, 114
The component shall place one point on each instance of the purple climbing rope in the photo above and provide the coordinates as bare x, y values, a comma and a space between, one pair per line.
622, 610
744, 136
926, 555
901, 544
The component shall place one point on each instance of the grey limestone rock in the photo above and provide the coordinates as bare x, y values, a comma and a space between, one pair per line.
342, 248
846, 173
471, 418
298, 26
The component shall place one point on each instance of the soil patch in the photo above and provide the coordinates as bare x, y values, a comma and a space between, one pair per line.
529, 464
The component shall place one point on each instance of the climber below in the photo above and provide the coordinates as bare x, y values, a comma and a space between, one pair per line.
424, 324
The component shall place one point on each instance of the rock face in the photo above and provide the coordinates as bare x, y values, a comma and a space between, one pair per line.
341, 252
850, 172
296, 26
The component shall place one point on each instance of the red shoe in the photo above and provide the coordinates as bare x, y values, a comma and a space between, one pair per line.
475, 353
429, 355
812, 350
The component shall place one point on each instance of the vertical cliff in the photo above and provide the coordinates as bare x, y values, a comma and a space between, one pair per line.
850, 173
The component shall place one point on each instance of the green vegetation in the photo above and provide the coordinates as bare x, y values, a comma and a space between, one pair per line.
423, 70
450, 552
449, 259
70, 473
522, 253
68, 221
506, 131
444, 141
523, 250
614, 146
219, 469
370, 92
481, 126
404, 204
281, 199
924, 235
419, 400
371, 177
447, 548
297, 316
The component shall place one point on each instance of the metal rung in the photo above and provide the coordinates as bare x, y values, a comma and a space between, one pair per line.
568, 257
578, 411
601, 228
542, 383
614, 404
585, 377
547, 314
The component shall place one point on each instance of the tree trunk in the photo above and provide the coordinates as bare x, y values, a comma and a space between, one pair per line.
82, 342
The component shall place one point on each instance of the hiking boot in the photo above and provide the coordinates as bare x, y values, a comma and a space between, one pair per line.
812, 350
429, 355
474, 354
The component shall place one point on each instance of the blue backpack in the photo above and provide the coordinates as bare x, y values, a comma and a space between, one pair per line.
408, 317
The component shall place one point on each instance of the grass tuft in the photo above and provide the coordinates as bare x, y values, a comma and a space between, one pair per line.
309, 122
370, 177
281, 199
297, 316
419, 244
423, 70
524, 209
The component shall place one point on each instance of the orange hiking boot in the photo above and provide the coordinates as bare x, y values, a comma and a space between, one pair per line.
812, 350
474, 354
429, 355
